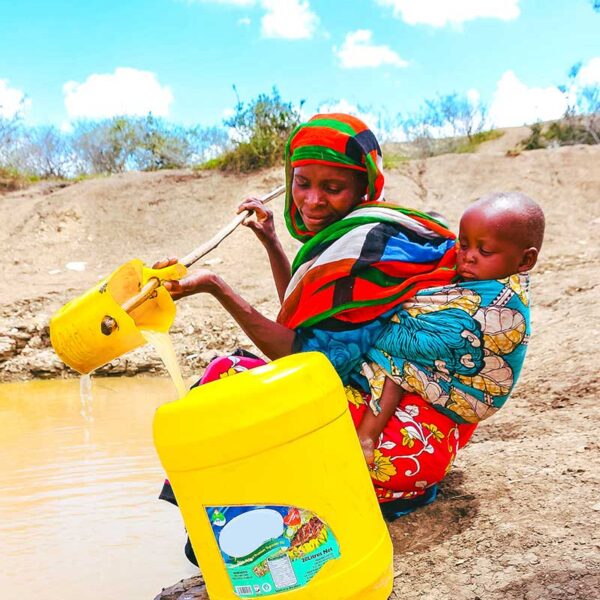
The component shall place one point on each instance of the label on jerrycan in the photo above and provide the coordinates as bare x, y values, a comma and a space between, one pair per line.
270, 549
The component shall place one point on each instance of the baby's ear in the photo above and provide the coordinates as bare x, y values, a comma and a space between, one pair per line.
528, 259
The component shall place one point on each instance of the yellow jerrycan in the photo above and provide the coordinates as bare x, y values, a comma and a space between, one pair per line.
273, 486
76, 331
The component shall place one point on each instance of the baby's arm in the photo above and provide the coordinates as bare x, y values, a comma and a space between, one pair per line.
371, 425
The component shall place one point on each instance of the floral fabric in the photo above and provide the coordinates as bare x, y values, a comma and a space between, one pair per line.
416, 448
461, 347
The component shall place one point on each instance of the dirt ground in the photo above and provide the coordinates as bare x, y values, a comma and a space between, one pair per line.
519, 515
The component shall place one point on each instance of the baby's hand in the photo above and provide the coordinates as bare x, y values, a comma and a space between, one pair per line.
368, 447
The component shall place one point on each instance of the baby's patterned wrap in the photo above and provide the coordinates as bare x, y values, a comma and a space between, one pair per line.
460, 347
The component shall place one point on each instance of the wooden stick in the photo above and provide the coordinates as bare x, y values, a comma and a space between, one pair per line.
205, 248
108, 324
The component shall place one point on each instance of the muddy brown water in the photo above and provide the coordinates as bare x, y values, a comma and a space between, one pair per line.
79, 514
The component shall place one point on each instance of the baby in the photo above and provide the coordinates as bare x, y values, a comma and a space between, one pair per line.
500, 235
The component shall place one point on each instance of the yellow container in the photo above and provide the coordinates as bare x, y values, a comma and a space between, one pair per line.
75, 329
273, 486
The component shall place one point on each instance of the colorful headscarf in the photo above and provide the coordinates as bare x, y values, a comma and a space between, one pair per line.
338, 140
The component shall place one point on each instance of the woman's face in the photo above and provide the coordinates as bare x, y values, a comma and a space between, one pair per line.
324, 194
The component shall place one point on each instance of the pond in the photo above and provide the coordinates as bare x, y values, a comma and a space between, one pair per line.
79, 514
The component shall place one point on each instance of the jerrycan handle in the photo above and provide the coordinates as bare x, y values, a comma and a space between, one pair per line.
108, 324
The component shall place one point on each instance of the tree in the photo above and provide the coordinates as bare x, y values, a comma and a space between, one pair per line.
46, 152
440, 122
457, 115
583, 111
259, 132
105, 146
159, 146
11, 131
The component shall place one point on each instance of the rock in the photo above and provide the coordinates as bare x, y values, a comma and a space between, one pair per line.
45, 364
186, 589
8, 347
17, 334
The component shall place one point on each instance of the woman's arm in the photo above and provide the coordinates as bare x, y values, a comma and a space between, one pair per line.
264, 228
272, 338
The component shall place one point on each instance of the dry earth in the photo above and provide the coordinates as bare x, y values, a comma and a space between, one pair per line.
519, 516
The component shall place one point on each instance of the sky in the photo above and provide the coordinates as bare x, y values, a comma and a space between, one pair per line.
63, 60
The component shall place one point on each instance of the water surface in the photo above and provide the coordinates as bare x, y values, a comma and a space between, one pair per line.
79, 515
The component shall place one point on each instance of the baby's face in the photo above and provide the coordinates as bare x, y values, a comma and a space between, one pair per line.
485, 249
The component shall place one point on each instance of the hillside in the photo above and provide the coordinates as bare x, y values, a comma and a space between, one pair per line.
519, 517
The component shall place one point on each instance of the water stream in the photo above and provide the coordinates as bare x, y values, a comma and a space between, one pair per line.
161, 342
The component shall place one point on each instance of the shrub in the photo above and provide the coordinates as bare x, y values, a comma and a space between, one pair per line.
259, 131
440, 124
535, 139
11, 179
143, 143
471, 144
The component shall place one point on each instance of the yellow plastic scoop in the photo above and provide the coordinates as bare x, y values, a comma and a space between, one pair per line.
76, 329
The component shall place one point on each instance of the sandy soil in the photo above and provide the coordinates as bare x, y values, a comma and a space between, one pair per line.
519, 516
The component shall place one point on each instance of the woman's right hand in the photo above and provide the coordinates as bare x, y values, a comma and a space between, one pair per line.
199, 281
263, 223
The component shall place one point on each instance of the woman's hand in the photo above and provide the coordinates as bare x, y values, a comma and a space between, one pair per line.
263, 224
199, 281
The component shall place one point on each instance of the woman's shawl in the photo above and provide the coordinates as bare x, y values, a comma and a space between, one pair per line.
360, 267
461, 347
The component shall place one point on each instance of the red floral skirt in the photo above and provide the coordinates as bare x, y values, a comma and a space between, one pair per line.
416, 448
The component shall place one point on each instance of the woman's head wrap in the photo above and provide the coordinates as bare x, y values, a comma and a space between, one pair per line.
337, 140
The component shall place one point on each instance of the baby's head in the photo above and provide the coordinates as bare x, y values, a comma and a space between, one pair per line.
500, 234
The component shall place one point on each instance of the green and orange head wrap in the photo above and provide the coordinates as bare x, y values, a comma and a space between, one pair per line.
339, 140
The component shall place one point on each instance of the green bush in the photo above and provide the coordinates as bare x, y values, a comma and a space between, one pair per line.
467, 145
536, 139
392, 160
260, 131
11, 179
567, 132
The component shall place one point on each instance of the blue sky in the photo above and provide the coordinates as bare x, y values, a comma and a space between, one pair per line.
68, 59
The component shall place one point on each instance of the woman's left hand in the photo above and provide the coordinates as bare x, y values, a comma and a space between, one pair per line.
262, 224
199, 281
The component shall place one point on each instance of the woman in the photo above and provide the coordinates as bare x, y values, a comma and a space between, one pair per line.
360, 258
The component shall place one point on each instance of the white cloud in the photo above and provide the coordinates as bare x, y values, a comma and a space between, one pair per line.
589, 74
439, 13
514, 103
359, 51
12, 100
228, 112
290, 19
473, 96
376, 122
125, 92
344, 106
